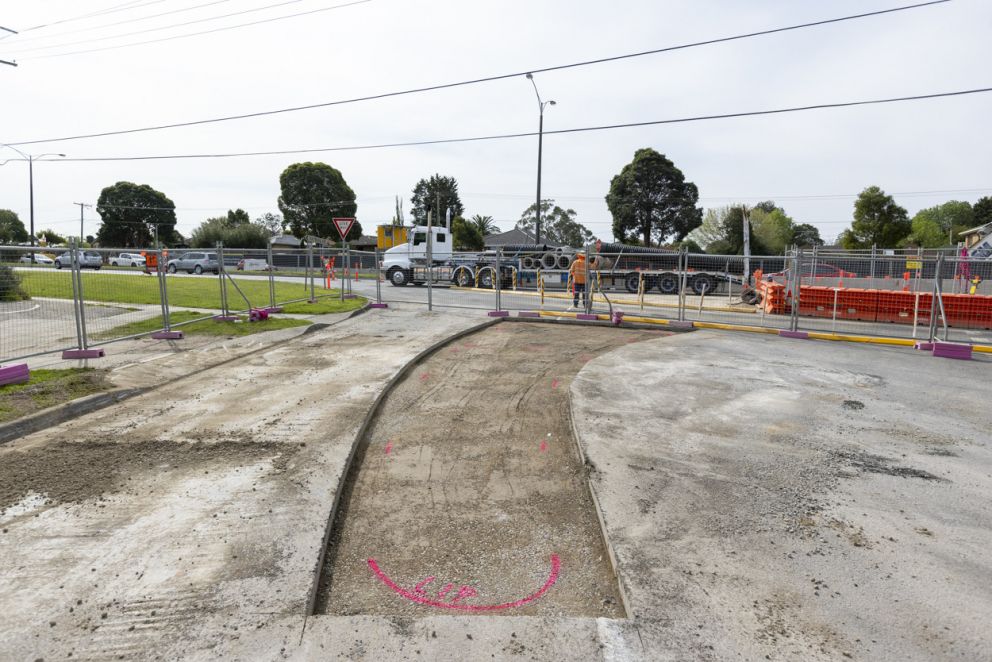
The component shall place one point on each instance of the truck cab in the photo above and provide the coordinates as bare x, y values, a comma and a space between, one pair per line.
398, 262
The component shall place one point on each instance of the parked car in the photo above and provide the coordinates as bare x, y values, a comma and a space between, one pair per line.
253, 264
38, 259
128, 260
195, 263
87, 260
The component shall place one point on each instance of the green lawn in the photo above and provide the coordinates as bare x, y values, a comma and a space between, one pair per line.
208, 327
193, 292
48, 388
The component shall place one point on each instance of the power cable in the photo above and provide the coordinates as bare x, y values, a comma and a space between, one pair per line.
165, 27
487, 79
214, 30
127, 6
123, 22
528, 134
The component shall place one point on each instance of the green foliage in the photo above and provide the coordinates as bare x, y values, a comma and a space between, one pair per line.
312, 195
466, 235
805, 235
650, 198
128, 213
272, 223
429, 192
233, 233
982, 210
773, 229
193, 324
51, 237
10, 285
485, 224
237, 217
558, 226
12, 230
926, 233
733, 232
690, 245
878, 221
711, 229
398, 220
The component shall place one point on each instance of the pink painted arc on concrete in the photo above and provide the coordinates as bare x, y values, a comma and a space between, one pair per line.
420, 599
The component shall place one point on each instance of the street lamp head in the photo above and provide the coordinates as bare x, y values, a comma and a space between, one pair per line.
63, 155
552, 103
530, 76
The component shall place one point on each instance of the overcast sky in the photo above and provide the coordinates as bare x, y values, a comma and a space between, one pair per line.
812, 163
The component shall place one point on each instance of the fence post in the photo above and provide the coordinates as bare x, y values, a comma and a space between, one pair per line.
163, 296
77, 298
224, 308
683, 268
587, 293
313, 297
497, 277
272, 275
797, 282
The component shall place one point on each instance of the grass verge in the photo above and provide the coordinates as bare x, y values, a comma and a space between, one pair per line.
207, 327
48, 388
188, 292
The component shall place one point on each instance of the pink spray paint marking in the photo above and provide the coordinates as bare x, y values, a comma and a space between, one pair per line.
425, 376
418, 595
554, 383
444, 591
544, 446
389, 447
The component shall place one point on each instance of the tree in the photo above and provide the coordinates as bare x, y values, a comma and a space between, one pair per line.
773, 229
466, 236
272, 223
878, 221
427, 195
690, 245
557, 225
982, 210
951, 217
485, 224
231, 232
312, 195
710, 230
805, 235
51, 237
733, 233
237, 217
398, 220
12, 230
651, 198
129, 212
10, 285
926, 233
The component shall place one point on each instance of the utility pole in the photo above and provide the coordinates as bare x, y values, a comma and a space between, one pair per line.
82, 206
540, 144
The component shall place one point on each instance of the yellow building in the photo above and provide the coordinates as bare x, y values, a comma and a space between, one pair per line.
390, 235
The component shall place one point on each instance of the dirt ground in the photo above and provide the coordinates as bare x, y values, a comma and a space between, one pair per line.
18, 400
469, 484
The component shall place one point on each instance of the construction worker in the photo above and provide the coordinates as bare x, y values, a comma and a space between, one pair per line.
151, 262
578, 273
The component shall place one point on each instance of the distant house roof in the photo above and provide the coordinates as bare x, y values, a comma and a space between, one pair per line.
363, 241
981, 229
286, 240
512, 237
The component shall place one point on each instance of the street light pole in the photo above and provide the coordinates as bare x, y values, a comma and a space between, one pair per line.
31, 159
540, 146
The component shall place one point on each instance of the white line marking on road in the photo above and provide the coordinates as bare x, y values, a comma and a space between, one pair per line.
26, 310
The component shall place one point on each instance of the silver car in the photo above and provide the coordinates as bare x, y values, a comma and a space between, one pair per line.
87, 260
195, 263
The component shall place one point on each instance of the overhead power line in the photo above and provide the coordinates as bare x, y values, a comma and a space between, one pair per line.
212, 31
116, 23
127, 6
528, 134
476, 81
166, 27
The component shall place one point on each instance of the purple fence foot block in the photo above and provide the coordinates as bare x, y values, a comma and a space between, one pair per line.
225, 318
586, 316
273, 309
83, 354
617, 317
949, 350
499, 313
528, 313
378, 305
802, 335
14, 374
167, 335
677, 324
924, 346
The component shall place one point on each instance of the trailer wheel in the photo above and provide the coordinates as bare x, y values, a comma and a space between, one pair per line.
703, 284
486, 279
632, 281
398, 277
668, 283
464, 277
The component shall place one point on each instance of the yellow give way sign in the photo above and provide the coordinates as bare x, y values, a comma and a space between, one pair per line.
913, 264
